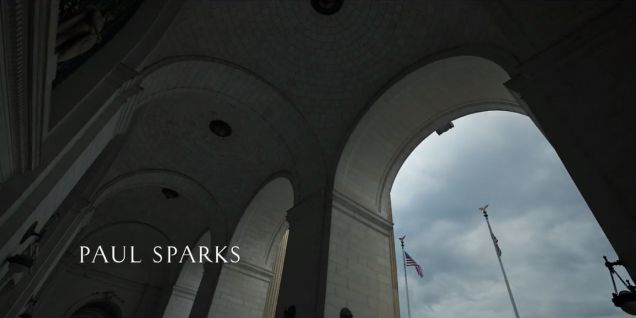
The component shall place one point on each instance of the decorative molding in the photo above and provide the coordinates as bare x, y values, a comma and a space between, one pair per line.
251, 270
360, 213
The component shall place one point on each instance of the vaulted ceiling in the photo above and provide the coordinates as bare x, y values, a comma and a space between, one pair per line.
292, 83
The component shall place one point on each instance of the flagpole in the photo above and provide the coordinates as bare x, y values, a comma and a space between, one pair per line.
492, 236
406, 283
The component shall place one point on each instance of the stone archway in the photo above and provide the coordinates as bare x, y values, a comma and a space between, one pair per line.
415, 106
260, 236
408, 112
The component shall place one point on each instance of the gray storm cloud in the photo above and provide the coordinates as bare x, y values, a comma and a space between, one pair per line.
551, 243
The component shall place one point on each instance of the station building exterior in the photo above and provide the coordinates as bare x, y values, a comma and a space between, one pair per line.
278, 127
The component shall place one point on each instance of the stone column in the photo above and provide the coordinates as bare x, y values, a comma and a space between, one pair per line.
54, 243
304, 280
205, 293
581, 92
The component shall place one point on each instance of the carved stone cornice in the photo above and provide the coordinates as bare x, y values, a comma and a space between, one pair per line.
360, 213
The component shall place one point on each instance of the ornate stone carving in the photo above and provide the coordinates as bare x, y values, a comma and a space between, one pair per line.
84, 26
80, 33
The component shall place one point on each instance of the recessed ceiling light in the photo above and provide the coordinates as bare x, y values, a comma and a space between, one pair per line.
327, 7
220, 128
169, 193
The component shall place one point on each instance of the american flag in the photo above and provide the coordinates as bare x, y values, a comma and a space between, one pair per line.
411, 262
496, 241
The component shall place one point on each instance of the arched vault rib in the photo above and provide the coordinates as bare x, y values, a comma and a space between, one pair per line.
185, 185
201, 74
406, 113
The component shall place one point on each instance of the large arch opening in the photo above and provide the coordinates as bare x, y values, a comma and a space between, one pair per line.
548, 237
413, 108
419, 104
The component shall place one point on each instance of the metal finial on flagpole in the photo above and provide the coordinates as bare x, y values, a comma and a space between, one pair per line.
408, 304
483, 209
492, 236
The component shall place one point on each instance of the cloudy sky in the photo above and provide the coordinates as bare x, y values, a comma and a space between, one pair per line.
552, 245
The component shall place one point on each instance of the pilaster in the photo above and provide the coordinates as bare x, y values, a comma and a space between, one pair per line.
304, 277
274, 285
26, 56
361, 269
